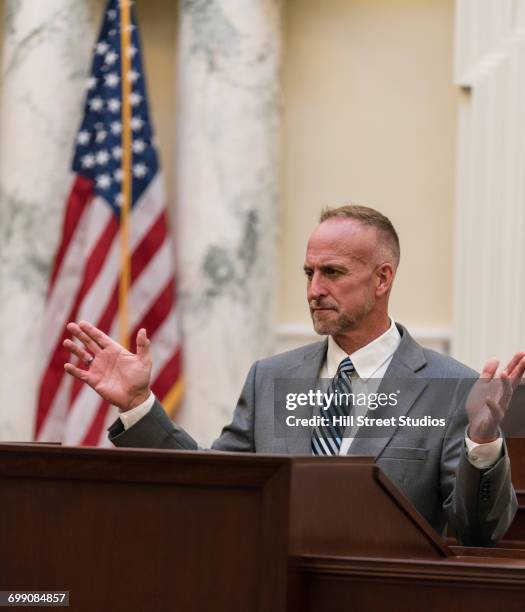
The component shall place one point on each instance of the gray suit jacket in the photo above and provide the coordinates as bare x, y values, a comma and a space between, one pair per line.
428, 465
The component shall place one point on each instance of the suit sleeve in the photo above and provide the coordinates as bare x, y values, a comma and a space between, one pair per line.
238, 436
480, 503
154, 430
157, 430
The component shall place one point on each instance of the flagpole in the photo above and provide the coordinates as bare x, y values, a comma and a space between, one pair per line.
125, 260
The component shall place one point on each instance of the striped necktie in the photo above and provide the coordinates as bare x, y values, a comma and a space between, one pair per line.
327, 439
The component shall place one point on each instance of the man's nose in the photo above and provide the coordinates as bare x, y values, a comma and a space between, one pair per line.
316, 287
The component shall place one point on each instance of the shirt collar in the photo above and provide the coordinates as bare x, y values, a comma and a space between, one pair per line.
369, 358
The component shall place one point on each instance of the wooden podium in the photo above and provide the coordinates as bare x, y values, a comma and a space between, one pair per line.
144, 530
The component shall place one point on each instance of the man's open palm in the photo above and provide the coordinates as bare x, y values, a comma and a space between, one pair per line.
490, 397
118, 376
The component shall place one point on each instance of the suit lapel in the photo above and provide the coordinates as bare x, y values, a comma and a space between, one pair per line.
401, 379
305, 375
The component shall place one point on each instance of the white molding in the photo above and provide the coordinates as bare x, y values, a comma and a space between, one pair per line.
489, 257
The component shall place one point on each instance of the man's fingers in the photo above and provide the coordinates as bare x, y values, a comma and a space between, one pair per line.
489, 370
78, 350
90, 344
95, 334
82, 375
143, 345
507, 389
516, 374
516, 364
496, 410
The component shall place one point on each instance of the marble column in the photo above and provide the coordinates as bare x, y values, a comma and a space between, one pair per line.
490, 219
45, 61
226, 198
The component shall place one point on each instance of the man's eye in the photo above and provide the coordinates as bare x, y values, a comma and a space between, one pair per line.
331, 272
308, 273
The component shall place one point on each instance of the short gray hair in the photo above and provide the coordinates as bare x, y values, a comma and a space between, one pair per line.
370, 217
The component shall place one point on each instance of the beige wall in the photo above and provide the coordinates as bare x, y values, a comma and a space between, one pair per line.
369, 116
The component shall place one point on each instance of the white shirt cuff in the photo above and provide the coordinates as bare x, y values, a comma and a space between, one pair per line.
133, 416
486, 455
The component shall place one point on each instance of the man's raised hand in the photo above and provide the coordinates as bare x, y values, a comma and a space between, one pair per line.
489, 398
118, 376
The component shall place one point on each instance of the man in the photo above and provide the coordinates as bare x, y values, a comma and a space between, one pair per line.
457, 473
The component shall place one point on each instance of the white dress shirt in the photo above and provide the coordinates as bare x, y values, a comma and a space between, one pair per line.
370, 363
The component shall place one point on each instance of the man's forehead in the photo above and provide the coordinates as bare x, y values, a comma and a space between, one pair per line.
342, 238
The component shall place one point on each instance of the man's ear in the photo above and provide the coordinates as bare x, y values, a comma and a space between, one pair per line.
384, 278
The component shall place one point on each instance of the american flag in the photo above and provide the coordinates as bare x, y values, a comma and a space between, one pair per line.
95, 247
